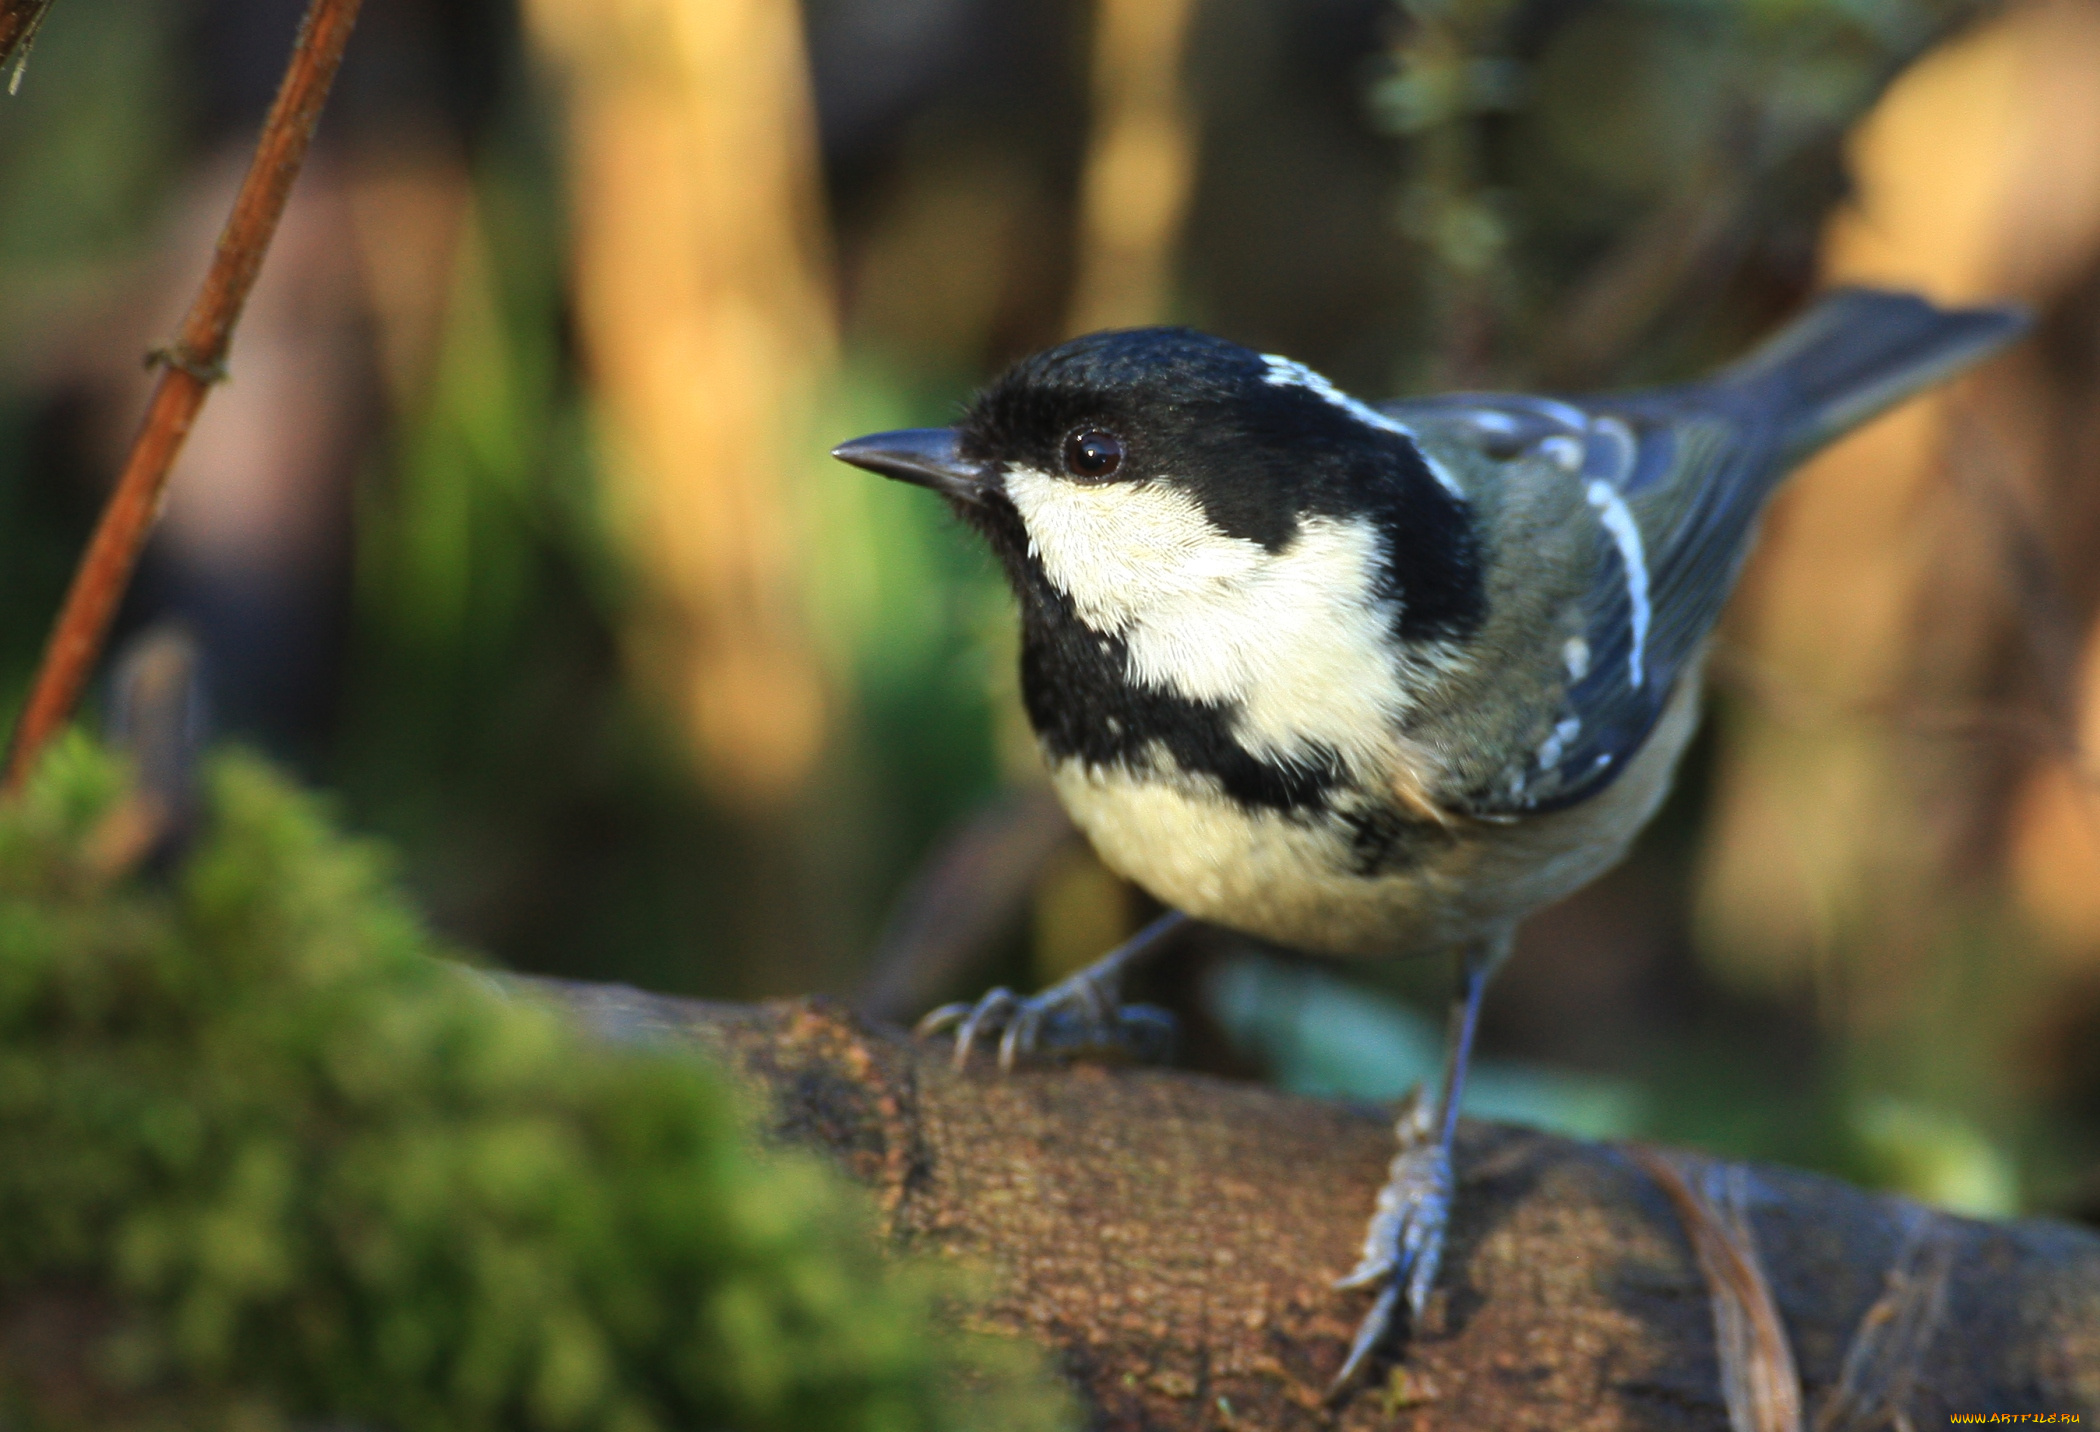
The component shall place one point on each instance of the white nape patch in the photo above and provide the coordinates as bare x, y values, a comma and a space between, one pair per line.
1618, 520
1289, 373
1575, 653
1298, 640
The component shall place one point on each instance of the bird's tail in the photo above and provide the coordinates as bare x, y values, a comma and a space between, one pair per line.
1860, 351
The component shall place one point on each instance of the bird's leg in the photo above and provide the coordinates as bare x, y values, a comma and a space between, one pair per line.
1405, 1241
1083, 1014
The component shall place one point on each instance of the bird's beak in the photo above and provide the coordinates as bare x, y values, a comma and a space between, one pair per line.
930, 457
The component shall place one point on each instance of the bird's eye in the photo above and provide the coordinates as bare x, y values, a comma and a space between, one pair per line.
1090, 452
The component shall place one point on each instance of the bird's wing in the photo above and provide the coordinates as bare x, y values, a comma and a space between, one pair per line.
1672, 483
1674, 480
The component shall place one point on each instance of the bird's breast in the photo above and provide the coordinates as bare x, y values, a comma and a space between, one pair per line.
1314, 877
1353, 871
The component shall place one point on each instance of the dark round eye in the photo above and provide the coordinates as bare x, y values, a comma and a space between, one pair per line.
1090, 452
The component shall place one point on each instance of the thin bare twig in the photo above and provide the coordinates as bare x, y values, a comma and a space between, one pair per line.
1887, 1356
1758, 1380
19, 21
189, 366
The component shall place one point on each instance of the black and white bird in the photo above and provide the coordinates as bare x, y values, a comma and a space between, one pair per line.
1371, 680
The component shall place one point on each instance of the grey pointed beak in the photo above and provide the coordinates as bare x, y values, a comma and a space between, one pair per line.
930, 457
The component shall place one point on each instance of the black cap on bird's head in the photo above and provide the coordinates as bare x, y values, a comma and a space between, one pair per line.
1106, 407
1258, 443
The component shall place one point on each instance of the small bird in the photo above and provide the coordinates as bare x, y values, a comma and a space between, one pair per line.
1372, 680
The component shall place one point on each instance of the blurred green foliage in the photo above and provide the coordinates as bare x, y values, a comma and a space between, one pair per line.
93, 141
283, 1162
1330, 1038
1611, 192
488, 727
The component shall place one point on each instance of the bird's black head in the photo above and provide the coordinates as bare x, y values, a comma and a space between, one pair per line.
1134, 464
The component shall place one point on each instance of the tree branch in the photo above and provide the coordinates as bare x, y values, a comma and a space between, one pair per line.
189, 366
1176, 1238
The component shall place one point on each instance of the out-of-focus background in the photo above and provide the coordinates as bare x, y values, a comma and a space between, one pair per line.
514, 527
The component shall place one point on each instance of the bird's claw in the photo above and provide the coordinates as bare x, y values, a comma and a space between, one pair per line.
1073, 1017
1405, 1242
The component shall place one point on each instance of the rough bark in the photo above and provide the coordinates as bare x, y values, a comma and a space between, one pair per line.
1175, 1239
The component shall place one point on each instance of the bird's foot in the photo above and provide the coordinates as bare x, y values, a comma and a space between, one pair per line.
1079, 1016
1405, 1241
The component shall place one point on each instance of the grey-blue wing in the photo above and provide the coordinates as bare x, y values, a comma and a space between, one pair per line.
1673, 482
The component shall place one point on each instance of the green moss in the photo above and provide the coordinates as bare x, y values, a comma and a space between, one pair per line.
282, 1164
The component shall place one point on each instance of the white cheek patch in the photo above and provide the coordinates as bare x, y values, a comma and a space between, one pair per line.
1299, 640
1288, 373
1119, 549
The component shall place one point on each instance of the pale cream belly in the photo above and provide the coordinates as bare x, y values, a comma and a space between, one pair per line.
1290, 880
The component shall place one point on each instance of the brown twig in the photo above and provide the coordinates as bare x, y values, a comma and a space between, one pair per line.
1887, 1357
1758, 1380
19, 20
189, 366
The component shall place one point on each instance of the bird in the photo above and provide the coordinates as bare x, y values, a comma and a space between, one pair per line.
1374, 679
